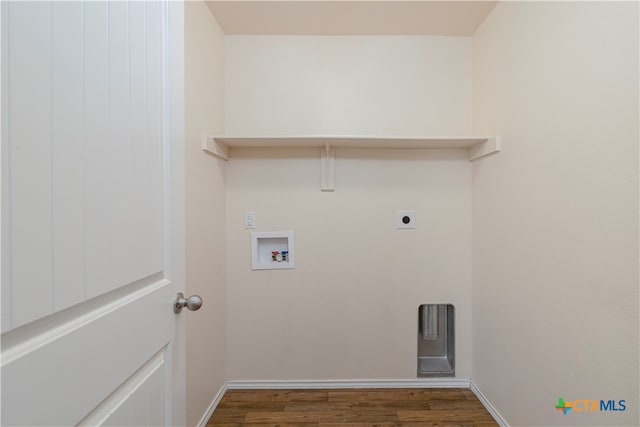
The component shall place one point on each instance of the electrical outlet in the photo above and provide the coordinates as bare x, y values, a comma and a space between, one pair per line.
249, 219
406, 219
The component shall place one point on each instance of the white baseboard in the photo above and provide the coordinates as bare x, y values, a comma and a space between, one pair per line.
489, 407
318, 384
214, 404
315, 384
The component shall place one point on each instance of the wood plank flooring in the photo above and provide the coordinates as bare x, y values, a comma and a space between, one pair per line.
351, 408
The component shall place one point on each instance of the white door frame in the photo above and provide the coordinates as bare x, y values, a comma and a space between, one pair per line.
178, 204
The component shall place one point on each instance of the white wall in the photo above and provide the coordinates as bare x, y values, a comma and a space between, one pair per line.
555, 214
205, 214
348, 85
349, 309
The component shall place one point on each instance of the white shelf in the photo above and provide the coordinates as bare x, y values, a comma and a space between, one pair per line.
477, 146
357, 141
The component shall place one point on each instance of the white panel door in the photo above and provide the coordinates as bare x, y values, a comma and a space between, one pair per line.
92, 213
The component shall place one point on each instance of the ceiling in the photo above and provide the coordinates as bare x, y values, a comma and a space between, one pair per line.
445, 18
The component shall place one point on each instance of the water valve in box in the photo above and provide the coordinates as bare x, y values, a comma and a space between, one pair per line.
272, 250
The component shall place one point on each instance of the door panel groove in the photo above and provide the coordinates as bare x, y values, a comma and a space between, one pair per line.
110, 406
88, 363
27, 338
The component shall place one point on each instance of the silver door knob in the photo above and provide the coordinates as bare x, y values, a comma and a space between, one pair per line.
193, 303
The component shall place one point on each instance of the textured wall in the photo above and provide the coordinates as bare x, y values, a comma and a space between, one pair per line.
555, 214
205, 196
399, 85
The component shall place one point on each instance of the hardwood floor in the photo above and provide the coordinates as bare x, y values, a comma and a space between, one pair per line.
351, 408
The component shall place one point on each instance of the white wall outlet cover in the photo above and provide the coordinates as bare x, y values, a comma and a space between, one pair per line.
406, 219
249, 219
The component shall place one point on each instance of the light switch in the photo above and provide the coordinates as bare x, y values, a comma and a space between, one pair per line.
249, 219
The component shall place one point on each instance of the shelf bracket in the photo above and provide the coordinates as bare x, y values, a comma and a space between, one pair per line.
481, 149
217, 149
327, 169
